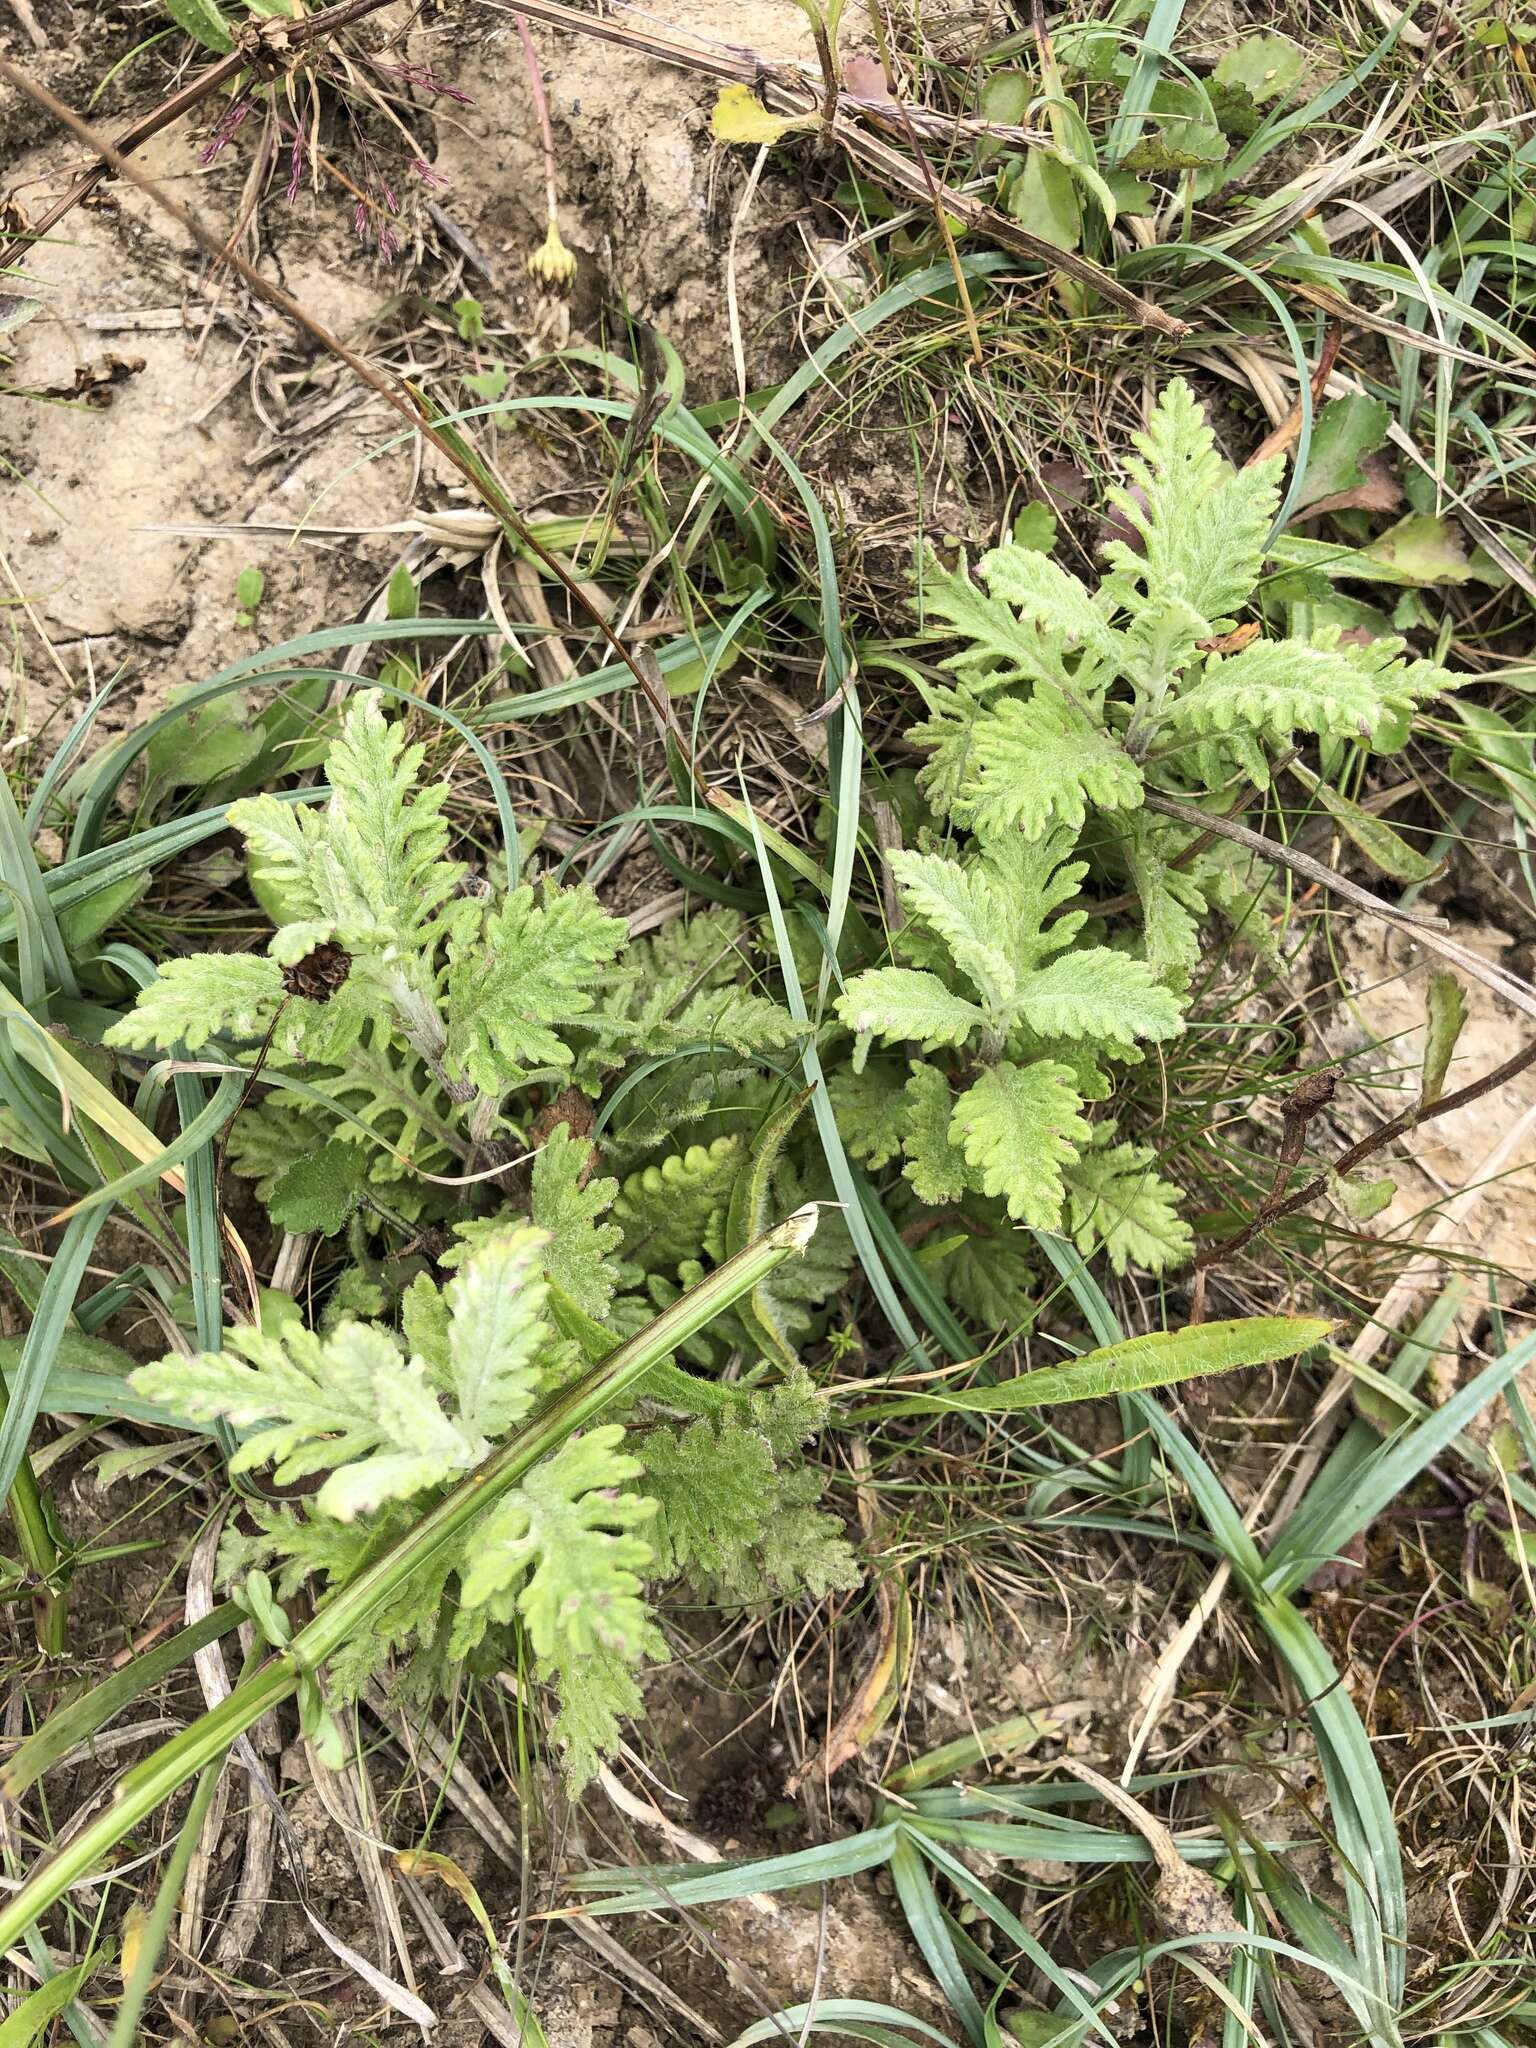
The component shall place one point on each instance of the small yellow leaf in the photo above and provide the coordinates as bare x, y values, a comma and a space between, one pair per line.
135, 1925
740, 116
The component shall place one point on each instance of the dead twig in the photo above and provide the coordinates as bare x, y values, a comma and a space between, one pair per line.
1425, 930
1362, 1149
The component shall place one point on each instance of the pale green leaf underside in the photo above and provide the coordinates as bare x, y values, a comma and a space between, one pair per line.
903, 1002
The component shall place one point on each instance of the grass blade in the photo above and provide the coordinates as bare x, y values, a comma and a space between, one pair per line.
1161, 1358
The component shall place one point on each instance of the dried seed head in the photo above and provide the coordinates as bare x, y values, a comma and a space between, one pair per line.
552, 261
319, 974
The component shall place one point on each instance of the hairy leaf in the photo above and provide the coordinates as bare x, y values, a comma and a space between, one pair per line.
532, 968
234, 995
902, 1002
1446, 1016
579, 1242
496, 1330
935, 1165
1018, 1126
1042, 761
963, 908
1117, 1202
1201, 526
1161, 1359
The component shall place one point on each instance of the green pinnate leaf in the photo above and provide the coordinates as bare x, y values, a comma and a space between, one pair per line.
576, 1256
1275, 688
983, 1269
947, 734
348, 1401
1018, 1127
712, 1483
532, 967
598, 1694
368, 869
562, 1545
1096, 994
496, 1331
1118, 1203
935, 1165
998, 646
1201, 525
802, 1546
904, 1002
870, 1107
676, 1208
962, 906
1172, 904
209, 995
1045, 596
1041, 761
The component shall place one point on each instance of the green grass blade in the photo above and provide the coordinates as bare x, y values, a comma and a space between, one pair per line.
1156, 44
42, 957
851, 2019
1136, 1460
1317, 1532
919, 1902
838, 1165
24, 1392
1163, 1358
641, 1889
32, 2018
251, 670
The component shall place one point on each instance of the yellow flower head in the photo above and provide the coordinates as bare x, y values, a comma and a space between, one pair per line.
552, 261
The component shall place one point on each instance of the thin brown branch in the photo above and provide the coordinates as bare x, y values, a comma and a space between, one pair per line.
400, 397
1363, 1148
1424, 930
299, 36
1279, 441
